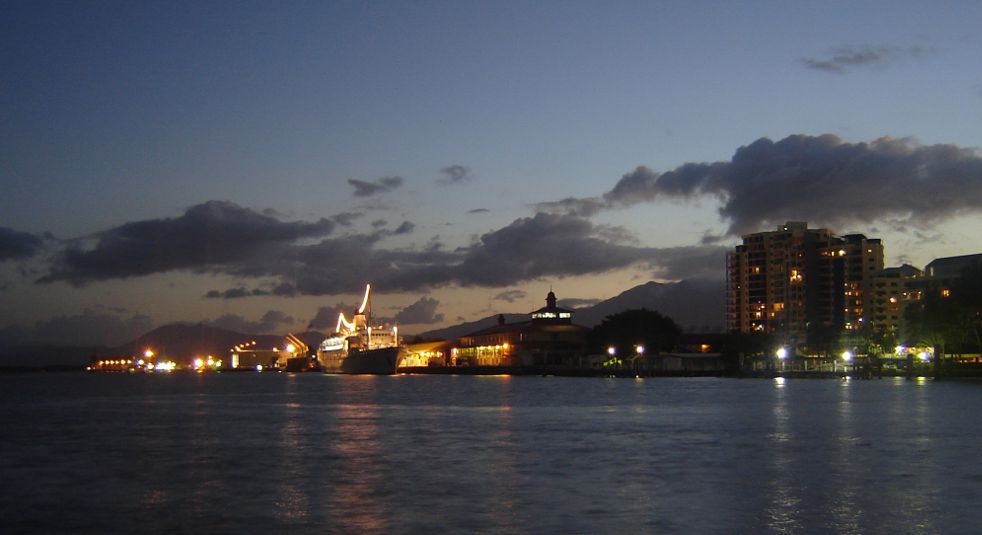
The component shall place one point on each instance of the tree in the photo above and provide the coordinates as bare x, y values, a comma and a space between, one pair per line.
627, 330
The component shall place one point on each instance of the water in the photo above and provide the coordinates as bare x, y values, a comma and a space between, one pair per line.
271, 453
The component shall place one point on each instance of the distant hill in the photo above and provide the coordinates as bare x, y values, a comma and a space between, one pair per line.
183, 342
696, 305
456, 331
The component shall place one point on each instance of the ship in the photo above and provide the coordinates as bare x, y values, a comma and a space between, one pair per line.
358, 347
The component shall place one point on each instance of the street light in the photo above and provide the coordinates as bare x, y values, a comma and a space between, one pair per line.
782, 353
847, 355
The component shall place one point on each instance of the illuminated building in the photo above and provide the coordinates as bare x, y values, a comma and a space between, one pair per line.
892, 291
797, 282
549, 338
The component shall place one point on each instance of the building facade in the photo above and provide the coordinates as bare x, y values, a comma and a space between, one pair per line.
548, 339
798, 283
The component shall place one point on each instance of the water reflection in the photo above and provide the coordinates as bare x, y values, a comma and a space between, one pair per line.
846, 465
781, 514
353, 505
292, 503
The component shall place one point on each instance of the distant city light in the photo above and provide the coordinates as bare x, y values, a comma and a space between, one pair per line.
847, 355
782, 353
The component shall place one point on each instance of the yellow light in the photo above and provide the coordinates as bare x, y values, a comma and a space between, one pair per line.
148, 353
505, 345
198, 363
290, 348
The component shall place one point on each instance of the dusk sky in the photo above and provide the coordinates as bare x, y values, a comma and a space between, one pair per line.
253, 164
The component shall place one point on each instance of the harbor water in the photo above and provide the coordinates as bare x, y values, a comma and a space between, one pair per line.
311, 453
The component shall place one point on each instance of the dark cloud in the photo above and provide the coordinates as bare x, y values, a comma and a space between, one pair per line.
379, 223
326, 318
345, 219
17, 245
511, 296
235, 293
405, 228
364, 188
820, 179
455, 174
844, 58
478, 211
272, 322
585, 207
573, 302
89, 328
205, 238
245, 245
422, 311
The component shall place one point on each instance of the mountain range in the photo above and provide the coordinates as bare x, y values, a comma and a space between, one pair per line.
696, 305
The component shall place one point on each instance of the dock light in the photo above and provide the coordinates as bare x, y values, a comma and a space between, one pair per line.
782, 353
259, 367
847, 356
612, 351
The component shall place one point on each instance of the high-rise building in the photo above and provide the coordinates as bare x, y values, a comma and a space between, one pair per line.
798, 283
892, 292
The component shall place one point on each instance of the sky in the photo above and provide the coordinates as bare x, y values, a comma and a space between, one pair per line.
251, 165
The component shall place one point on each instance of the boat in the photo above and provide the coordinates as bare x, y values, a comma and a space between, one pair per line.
358, 347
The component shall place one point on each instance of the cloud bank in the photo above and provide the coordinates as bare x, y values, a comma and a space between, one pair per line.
422, 311
206, 237
816, 178
230, 240
15, 245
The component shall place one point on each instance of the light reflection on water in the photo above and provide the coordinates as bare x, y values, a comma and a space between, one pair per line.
308, 453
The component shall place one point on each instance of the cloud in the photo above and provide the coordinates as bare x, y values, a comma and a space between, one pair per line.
422, 311
89, 328
239, 243
405, 228
364, 188
345, 219
478, 211
511, 296
455, 174
17, 245
272, 322
585, 207
235, 293
326, 318
206, 237
844, 58
820, 179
